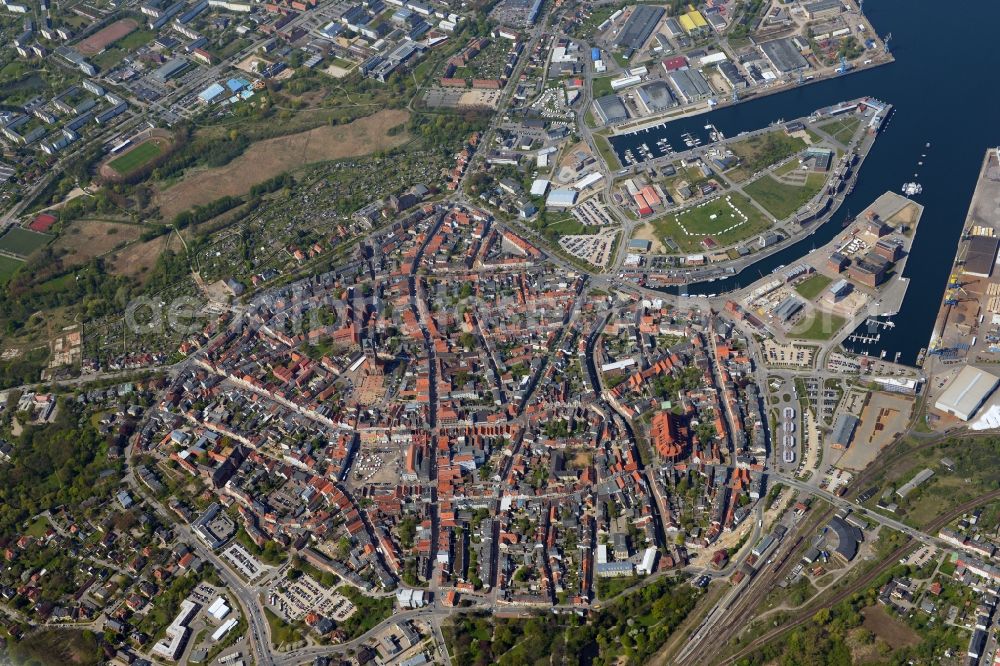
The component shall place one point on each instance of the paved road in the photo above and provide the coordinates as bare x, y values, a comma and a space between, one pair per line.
260, 634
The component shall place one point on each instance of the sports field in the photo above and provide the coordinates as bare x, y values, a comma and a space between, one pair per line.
22, 242
136, 157
103, 38
8, 265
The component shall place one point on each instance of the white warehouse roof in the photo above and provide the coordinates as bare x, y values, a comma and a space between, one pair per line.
967, 392
588, 180
539, 187
561, 198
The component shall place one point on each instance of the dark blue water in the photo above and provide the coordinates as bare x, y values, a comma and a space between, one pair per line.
942, 87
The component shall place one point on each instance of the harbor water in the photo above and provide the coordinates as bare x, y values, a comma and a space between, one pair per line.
940, 86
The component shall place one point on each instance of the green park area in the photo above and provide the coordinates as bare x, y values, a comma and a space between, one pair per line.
136, 157
842, 129
724, 220
653, 613
607, 152
602, 86
818, 326
763, 150
811, 287
282, 633
782, 199
22, 242
8, 266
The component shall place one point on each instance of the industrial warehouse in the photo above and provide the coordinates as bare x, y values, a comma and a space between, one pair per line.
639, 27
967, 392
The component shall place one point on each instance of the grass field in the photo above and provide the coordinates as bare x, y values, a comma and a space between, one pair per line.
38, 527
607, 152
888, 628
281, 631
842, 129
136, 157
976, 471
135, 40
23, 242
8, 266
56, 646
602, 86
782, 199
719, 219
811, 287
759, 152
566, 225
819, 326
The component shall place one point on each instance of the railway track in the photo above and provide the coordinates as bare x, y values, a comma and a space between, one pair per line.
895, 453
806, 614
756, 589
741, 609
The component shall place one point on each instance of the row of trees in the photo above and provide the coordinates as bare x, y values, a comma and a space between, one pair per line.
630, 630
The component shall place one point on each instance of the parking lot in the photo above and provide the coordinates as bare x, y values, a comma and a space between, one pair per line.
246, 564
306, 596
593, 248
454, 98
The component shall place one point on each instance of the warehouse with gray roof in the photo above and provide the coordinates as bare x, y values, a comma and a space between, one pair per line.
610, 109
849, 538
732, 74
655, 96
788, 308
691, 86
843, 431
639, 27
980, 256
169, 69
823, 9
783, 55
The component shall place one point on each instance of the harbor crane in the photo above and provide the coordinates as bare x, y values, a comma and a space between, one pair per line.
955, 290
937, 348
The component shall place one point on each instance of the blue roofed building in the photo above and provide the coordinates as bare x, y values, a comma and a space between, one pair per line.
236, 85
211, 93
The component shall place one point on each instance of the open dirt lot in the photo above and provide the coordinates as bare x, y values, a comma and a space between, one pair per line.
883, 418
273, 156
101, 39
648, 233
137, 260
87, 239
888, 628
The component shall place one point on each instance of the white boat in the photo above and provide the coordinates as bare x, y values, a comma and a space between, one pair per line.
911, 189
